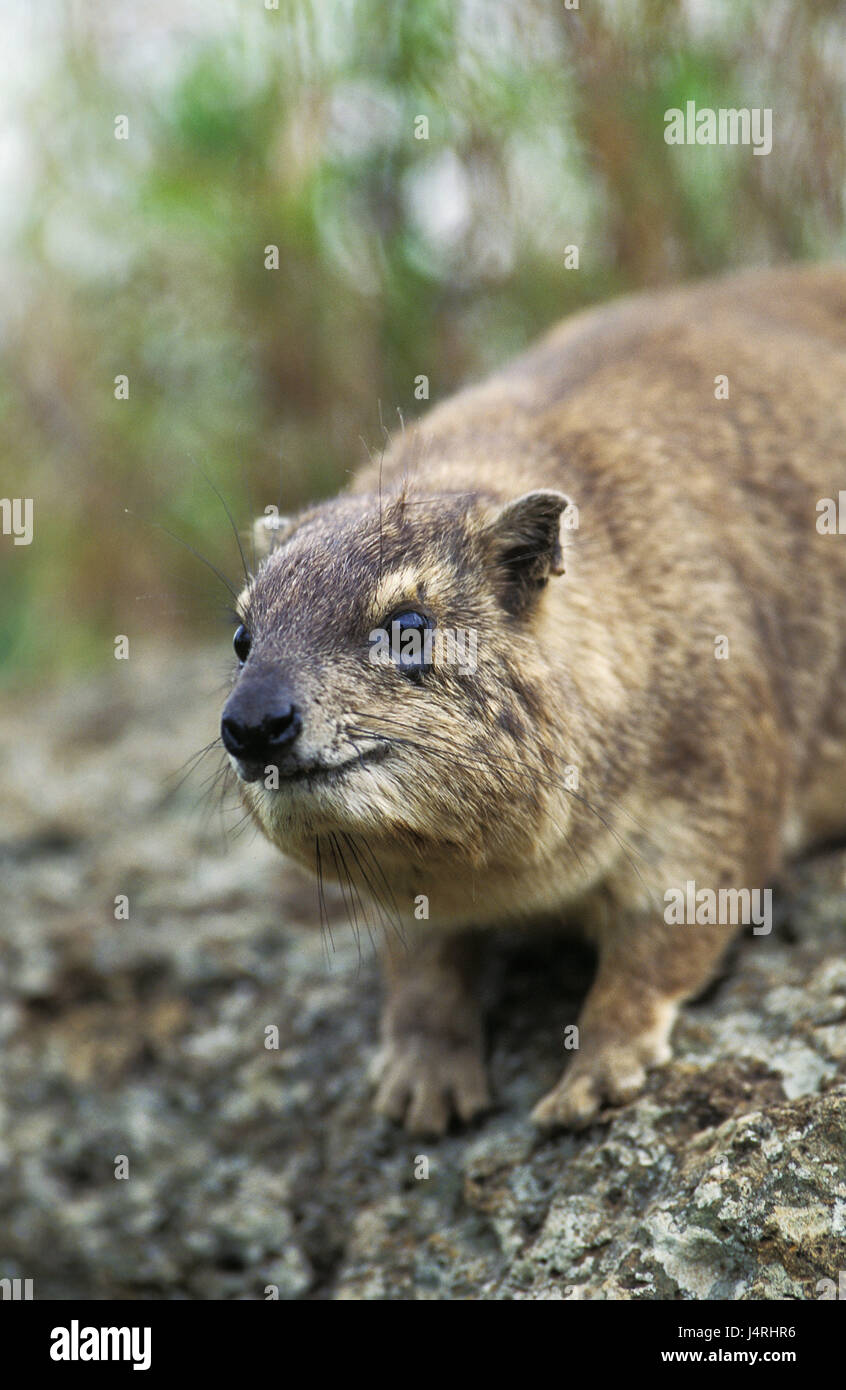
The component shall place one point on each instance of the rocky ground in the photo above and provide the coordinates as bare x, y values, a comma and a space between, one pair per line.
251, 1167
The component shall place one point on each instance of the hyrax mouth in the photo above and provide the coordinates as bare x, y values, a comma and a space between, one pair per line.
278, 776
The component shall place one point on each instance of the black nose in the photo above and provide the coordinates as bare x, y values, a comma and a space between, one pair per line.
252, 738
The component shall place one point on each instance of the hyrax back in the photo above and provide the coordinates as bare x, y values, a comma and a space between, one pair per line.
626, 535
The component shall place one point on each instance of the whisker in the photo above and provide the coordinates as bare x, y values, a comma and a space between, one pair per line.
325, 928
157, 526
452, 755
191, 763
517, 762
344, 880
342, 840
222, 501
365, 848
371, 889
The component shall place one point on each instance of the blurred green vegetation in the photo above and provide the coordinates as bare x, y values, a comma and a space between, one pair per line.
398, 256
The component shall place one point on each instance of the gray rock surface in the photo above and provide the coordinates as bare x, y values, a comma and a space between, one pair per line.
252, 1167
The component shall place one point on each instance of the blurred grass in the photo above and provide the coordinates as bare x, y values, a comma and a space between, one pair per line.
397, 256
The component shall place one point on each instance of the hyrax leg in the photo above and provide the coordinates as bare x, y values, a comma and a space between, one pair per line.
645, 971
430, 1062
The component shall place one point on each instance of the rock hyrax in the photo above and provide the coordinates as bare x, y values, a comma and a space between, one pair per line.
574, 649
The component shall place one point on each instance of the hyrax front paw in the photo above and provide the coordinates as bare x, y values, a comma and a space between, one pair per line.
424, 1080
613, 1074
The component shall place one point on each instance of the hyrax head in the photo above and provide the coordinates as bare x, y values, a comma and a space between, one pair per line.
386, 655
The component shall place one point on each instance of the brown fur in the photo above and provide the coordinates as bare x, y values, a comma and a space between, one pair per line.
697, 518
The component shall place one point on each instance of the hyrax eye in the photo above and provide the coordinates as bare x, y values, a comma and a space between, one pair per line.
242, 641
411, 645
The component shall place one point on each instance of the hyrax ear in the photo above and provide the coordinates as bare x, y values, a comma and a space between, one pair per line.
524, 545
269, 531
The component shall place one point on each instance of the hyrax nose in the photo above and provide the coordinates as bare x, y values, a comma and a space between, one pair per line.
259, 738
